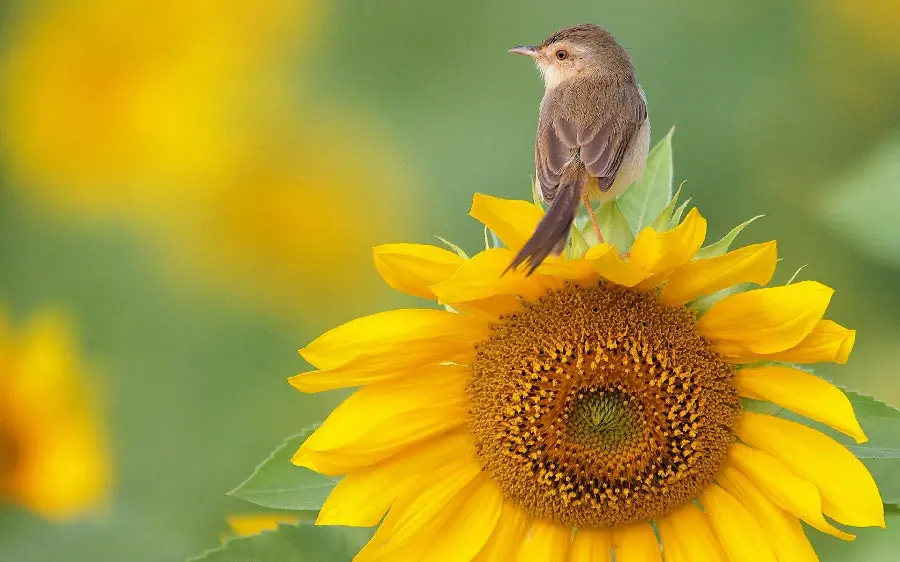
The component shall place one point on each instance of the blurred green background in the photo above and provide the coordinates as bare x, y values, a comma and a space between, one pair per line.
198, 184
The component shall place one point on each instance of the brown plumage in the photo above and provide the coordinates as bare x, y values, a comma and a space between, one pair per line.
593, 131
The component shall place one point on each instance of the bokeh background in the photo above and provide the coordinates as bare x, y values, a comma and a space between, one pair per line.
195, 186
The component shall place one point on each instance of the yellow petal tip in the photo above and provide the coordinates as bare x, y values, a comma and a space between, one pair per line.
846, 347
299, 382
302, 458
328, 517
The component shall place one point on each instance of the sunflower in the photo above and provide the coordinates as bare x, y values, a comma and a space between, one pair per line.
589, 408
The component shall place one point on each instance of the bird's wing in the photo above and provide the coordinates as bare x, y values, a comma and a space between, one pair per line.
600, 146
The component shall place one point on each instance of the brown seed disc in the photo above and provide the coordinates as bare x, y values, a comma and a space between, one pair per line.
598, 406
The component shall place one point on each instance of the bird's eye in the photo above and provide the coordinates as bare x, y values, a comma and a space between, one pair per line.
562, 54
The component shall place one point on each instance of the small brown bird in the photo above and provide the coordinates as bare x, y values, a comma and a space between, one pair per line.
593, 131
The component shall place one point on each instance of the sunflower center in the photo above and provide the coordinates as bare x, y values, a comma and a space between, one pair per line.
597, 407
603, 419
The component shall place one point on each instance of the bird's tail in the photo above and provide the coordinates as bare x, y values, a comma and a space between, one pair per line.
553, 230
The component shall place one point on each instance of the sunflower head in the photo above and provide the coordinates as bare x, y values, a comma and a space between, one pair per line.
597, 406
592, 407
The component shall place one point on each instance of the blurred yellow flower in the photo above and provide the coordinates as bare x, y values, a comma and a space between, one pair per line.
111, 106
53, 458
875, 22
303, 194
162, 113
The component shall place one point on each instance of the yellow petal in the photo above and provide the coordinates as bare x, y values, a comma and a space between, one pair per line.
546, 542
246, 525
512, 220
606, 261
508, 535
636, 543
491, 308
413, 268
362, 497
828, 341
577, 270
383, 419
591, 545
363, 371
422, 511
849, 494
783, 530
767, 320
740, 535
802, 393
485, 276
752, 264
422, 333
470, 526
737, 354
687, 536
790, 492
658, 254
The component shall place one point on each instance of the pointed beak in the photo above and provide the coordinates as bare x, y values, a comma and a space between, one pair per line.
526, 50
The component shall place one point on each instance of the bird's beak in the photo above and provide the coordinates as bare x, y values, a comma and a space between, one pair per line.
526, 50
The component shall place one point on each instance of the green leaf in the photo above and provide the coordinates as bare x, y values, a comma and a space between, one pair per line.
278, 484
459, 251
720, 247
871, 545
292, 543
863, 206
663, 222
891, 509
881, 453
643, 201
613, 227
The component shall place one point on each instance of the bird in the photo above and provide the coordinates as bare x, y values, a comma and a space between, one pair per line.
593, 133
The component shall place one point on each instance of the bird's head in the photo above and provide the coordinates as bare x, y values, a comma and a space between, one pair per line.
577, 50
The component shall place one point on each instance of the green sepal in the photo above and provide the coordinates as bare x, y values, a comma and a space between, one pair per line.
702, 304
576, 245
760, 407
676, 216
278, 484
643, 201
719, 248
613, 227
292, 543
663, 222
796, 273
459, 251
